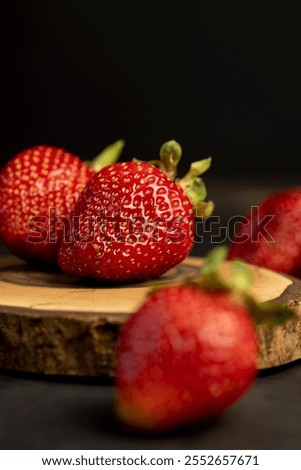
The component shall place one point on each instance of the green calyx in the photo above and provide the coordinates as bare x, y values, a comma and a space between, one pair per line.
240, 279
195, 189
192, 183
239, 282
270, 313
108, 156
170, 155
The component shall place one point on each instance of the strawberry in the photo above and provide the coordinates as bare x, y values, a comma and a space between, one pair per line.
132, 222
271, 235
189, 351
37, 187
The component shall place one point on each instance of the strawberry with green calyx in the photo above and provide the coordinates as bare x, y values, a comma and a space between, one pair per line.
37, 187
189, 351
135, 223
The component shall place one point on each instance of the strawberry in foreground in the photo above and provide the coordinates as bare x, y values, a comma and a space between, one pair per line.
133, 221
271, 236
190, 351
37, 187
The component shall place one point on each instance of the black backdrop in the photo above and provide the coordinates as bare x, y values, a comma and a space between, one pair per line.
221, 77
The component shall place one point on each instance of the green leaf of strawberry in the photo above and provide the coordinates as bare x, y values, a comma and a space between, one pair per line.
108, 156
239, 282
194, 187
269, 313
241, 276
214, 259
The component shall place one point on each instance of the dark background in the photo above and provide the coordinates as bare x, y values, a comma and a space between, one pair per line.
223, 78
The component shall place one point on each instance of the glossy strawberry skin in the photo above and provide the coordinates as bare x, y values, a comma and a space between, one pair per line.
41, 182
142, 225
278, 246
184, 356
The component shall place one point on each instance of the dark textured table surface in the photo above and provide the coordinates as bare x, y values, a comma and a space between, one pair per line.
40, 413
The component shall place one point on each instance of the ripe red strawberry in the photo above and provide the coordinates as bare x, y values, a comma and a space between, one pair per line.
190, 350
271, 235
38, 186
184, 356
131, 223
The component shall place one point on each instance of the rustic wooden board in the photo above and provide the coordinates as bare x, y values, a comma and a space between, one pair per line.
54, 324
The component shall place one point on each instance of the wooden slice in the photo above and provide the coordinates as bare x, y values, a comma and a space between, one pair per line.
54, 324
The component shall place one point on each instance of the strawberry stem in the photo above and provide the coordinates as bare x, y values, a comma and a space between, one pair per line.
170, 155
108, 156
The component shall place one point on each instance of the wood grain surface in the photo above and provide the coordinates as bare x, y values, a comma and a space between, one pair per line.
54, 324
